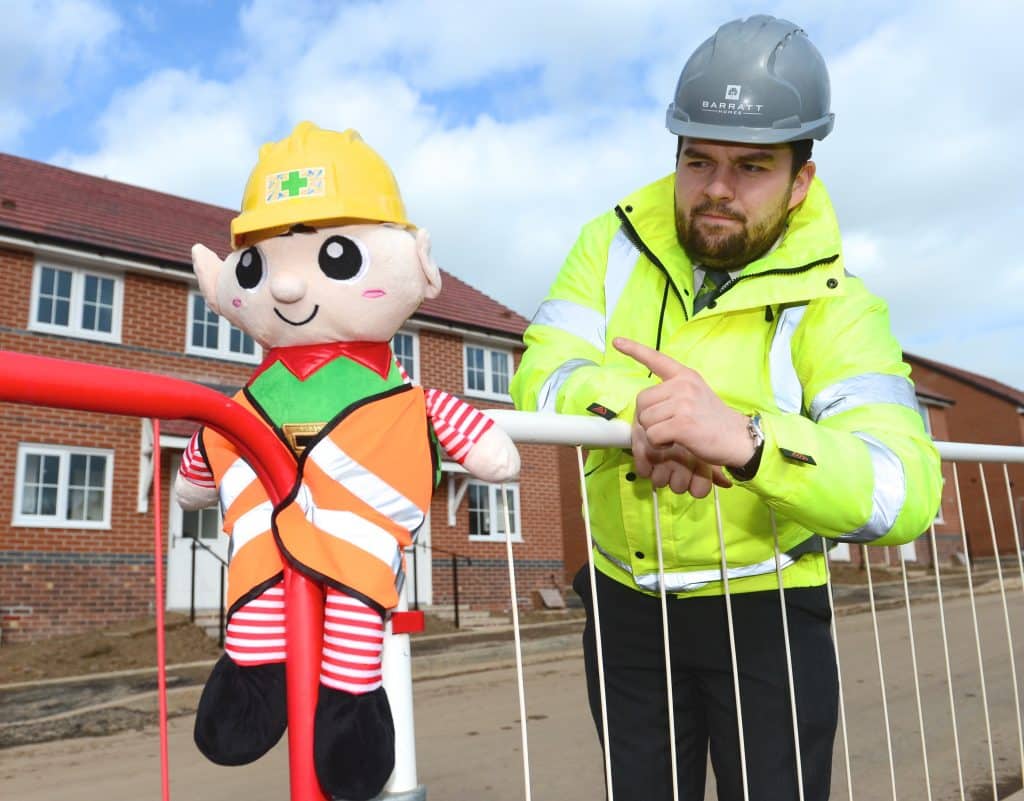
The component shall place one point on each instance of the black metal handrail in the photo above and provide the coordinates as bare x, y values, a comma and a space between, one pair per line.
197, 543
455, 557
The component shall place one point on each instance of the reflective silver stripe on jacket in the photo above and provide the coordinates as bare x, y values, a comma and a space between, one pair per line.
888, 495
548, 394
573, 318
786, 385
622, 256
861, 390
689, 580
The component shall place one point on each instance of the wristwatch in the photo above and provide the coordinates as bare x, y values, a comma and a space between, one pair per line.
749, 470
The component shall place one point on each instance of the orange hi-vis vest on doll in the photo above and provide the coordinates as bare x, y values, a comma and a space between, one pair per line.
364, 479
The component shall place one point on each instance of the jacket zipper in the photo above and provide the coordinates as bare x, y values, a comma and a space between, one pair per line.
640, 245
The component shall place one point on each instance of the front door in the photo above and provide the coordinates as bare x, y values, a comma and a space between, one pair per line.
194, 570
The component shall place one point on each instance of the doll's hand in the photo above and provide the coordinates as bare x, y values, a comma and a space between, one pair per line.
494, 457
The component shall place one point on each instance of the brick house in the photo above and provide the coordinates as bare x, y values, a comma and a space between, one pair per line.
961, 406
99, 271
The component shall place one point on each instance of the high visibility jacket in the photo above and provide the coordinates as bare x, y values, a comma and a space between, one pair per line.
794, 338
362, 488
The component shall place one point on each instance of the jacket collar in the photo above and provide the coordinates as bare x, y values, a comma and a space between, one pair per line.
304, 360
811, 238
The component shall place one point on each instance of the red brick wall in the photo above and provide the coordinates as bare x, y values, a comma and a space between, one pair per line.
55, 581
539, 558
59, 581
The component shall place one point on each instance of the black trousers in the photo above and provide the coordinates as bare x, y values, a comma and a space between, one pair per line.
704, 695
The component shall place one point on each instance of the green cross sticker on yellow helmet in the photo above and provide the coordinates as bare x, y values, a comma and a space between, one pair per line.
306, 182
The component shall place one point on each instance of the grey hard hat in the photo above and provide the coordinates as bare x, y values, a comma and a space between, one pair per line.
756, 81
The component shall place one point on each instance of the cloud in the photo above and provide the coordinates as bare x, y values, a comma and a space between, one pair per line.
510, 125
48, 47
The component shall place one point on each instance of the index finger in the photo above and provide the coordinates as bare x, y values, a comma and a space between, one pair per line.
657, 362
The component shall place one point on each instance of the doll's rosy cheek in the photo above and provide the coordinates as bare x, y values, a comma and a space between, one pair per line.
237, 303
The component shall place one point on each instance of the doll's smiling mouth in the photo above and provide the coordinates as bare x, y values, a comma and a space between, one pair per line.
312, 314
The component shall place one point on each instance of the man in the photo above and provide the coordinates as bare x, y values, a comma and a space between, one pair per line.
713, 311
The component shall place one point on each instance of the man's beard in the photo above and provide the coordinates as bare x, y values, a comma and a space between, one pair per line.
729, 251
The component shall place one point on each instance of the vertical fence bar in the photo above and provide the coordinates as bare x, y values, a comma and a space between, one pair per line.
666, 644
597, 628
192, 591
1006, 610
220, 617
789, 658
518, 641
1016, 545
839, 670
881, 669
949, 669
977, 633
732, 646
917, 678
161, 642
455, 587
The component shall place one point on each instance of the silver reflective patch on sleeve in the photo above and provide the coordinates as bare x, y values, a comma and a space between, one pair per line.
548, 394
862, 390
888, 495
573, 318
785, 382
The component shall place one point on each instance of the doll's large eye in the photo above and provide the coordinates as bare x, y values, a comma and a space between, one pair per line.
343, 259
249, 270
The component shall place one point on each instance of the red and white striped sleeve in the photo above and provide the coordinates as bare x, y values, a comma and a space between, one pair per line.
458, 425
194, 468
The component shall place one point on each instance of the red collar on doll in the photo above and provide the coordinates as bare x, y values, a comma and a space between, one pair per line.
304, 360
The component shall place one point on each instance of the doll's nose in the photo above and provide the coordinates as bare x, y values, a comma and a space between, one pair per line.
287, 287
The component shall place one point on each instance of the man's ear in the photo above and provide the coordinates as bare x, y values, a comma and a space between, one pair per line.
801, 184
427, 263
207, 267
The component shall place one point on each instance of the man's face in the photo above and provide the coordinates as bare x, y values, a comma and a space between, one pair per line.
732, 200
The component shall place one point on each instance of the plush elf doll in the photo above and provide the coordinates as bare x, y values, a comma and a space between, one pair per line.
325, 270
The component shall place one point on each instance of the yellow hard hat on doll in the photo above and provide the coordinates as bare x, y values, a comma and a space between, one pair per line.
316, 177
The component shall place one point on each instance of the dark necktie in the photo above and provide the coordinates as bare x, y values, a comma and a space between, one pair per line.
713, 279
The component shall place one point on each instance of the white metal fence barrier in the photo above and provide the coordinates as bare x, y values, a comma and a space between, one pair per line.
929, 695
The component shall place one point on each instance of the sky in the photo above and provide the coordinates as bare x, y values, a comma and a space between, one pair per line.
511, 124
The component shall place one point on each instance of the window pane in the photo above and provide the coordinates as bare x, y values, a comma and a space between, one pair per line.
98, 304
94, 505
499, 373
89, 317
33, 463
209, 523
79, 464
76, 504
479, 522
48, 501
98, 471
30, 500
62, 312
403, 347
240, 342
107, 293
190, 524
106, 322
54, 296
51, 469
476, 377
92, 285
204, 324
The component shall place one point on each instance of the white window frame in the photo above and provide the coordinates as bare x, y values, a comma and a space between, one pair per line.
489, 392
224, 327
492, 512
77, 303
60, 520
415, 376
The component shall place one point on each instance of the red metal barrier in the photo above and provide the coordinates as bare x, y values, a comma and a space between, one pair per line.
88, 387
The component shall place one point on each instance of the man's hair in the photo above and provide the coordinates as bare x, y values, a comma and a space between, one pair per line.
801, 150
